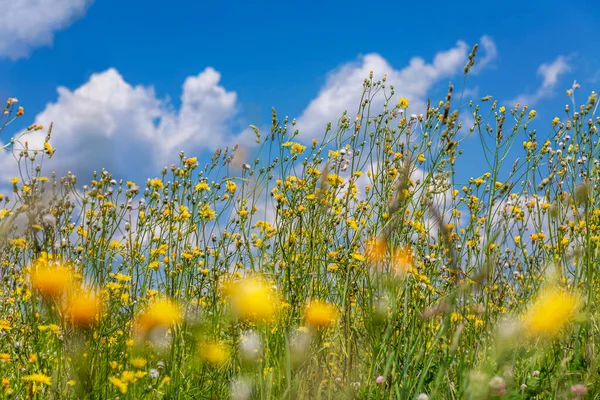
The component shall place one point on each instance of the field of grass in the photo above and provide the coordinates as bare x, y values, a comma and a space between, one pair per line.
354, 266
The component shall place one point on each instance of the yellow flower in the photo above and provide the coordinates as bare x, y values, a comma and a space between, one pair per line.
553, 310
297, 148
207, 213
252, 299
38, 378
48, 148
122, 386
83, 308
202, 186
421, 158
161, 313
320, 314
376, 248
215, 353
50, 281
403, 102
231, 187
402, 260
532, 114
138, 362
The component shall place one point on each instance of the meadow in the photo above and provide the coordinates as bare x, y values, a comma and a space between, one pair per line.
355, 265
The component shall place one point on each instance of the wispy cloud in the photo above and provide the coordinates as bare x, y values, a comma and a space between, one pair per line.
550, 74
28, 24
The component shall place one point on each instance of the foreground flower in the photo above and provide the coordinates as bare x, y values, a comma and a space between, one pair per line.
320, 314
552, 311
253, 299
51, 281
215, 353
83, 309
160, 314
38, 378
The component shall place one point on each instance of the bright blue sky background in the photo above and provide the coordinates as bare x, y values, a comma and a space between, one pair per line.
278, 53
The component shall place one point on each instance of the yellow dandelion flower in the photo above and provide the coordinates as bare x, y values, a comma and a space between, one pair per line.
161, 313
51, 281
215, 353
553, 310
253, 299
38, 378
116, 382
320, 314
403, 102
231, 187
297, 148
138, 362
83, 308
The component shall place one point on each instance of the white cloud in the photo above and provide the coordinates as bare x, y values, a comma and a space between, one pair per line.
550, 74
27, 24
126, 129
343, 89
490, 53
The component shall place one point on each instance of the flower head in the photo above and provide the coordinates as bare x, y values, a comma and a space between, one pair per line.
552, 311
320, 314
252, 299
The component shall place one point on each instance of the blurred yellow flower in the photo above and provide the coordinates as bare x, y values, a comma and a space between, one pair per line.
215, 353
252, 299
161, 313
50, 281
116, 382
38, 378
403, 102
320, 314
551, 312
83, 308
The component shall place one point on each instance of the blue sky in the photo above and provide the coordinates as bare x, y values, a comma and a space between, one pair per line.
240, 58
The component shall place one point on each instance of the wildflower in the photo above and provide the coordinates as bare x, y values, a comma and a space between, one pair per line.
4, 358
402, 261
191, 161
215, 353
380, 379
579, 389
50, 281
497, 386
551, 312
83, 308
532, 114
154, 373
320, 314
252, 299
202, 186
48, 148
161, 313
297, 148
421, 158
207, 213
231, 187
403, 102
38, 378
116, 382
376, 248
138, 362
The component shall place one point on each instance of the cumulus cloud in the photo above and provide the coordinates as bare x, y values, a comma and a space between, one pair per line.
128, 130
28, 24
343, 89
550, 74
